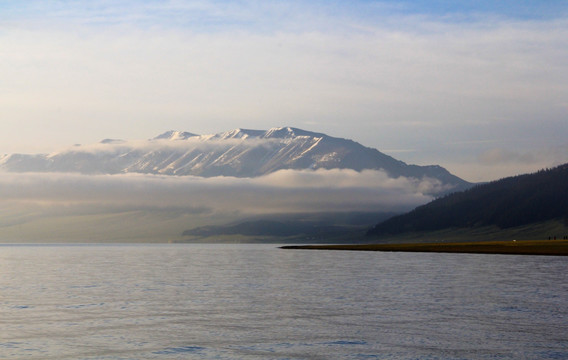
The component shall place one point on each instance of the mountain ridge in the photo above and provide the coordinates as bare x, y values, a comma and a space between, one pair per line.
238, 153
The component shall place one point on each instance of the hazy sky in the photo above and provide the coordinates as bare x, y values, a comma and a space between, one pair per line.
479, 87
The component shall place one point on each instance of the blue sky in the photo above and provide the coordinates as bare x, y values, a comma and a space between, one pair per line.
479, 87
520, 9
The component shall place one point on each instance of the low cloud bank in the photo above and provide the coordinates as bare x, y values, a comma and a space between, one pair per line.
283, 191
202, 143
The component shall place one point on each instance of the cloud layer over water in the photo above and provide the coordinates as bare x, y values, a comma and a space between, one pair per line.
283, 191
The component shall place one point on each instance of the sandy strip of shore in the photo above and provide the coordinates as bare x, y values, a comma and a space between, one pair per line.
525, 247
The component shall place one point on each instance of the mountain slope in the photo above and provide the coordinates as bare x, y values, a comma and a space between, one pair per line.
506, 203
301, 227
238, 153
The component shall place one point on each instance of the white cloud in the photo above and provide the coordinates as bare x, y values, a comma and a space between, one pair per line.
135, 207
203, 143
283, 191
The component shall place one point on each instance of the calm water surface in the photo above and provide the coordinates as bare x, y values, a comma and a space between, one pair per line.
260, 302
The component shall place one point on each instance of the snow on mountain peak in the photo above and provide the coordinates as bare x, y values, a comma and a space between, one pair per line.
174, 135
290, 133
280, 132
239, 133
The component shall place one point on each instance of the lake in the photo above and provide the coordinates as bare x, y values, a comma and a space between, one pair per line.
219, 301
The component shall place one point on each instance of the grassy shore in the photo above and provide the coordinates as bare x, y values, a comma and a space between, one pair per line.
524, 247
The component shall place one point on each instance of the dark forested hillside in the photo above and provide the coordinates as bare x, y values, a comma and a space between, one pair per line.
505, 203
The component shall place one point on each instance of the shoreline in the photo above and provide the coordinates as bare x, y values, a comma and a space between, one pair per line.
511, 247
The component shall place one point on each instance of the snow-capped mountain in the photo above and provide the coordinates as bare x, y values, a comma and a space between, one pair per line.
239, 153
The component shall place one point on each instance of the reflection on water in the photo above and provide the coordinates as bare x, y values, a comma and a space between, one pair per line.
257, 301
